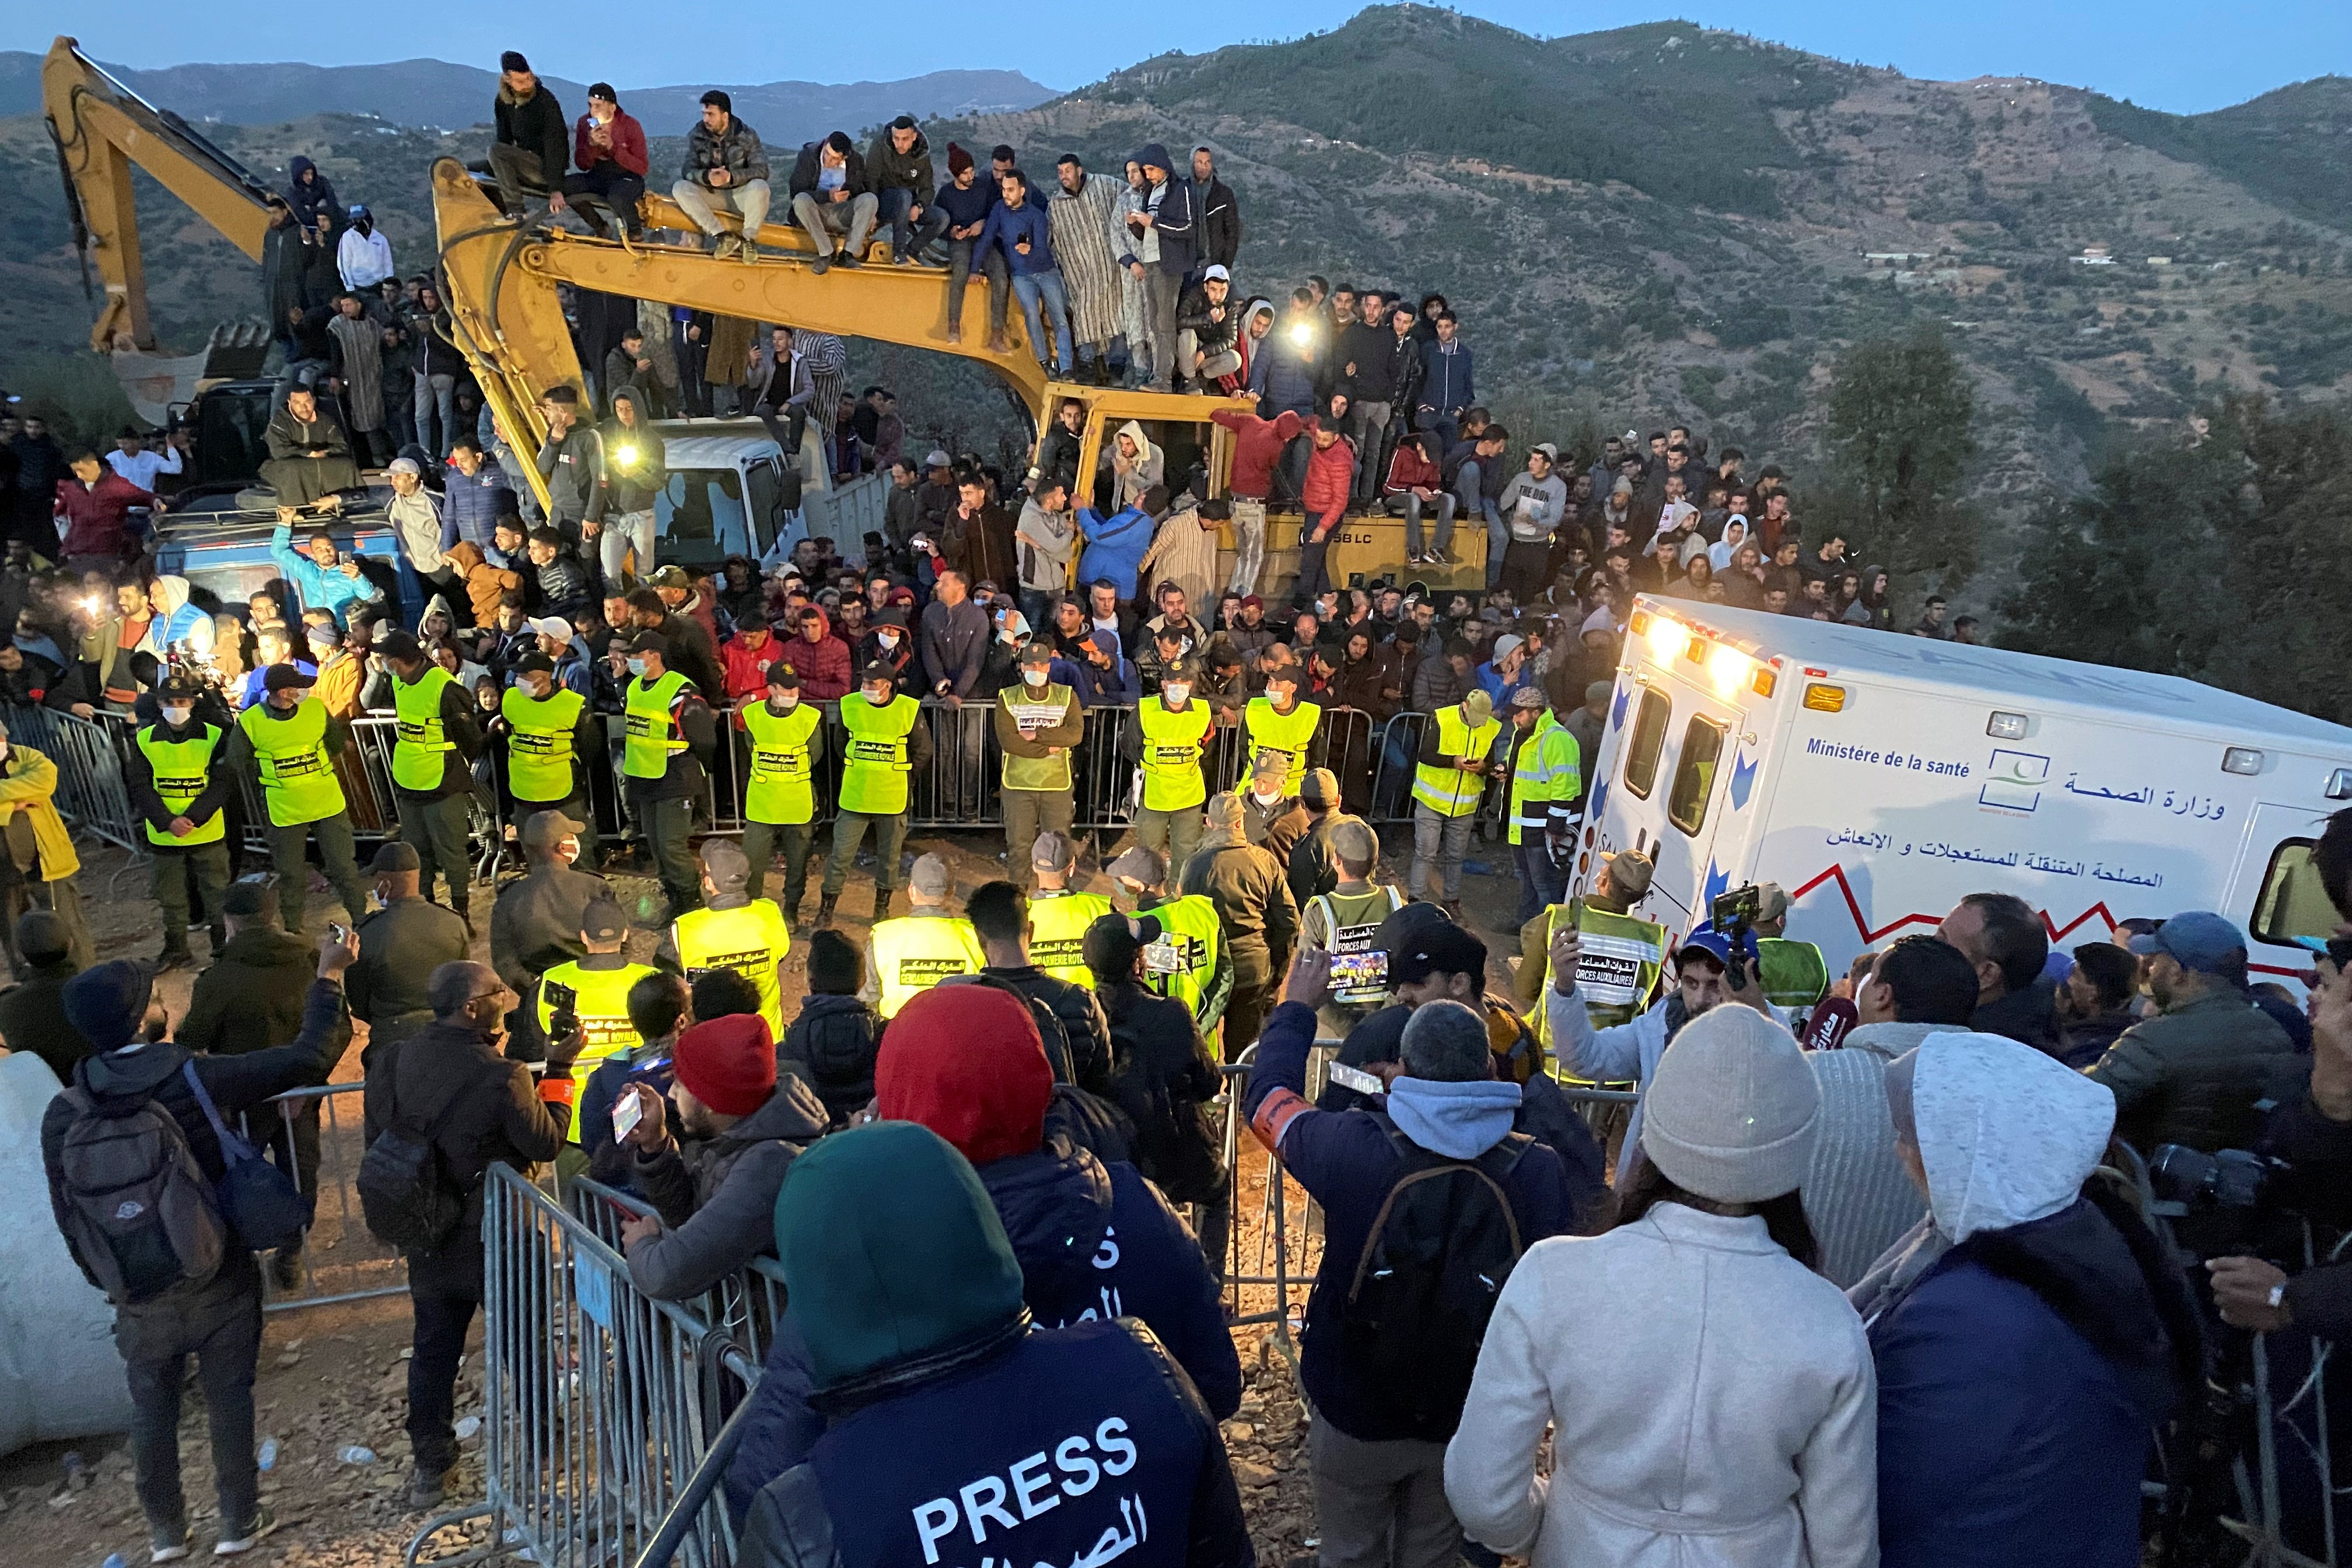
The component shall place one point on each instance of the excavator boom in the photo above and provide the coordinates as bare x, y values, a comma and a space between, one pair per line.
101, 129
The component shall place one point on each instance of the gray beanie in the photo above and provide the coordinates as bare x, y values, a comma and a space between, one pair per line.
1731, 1111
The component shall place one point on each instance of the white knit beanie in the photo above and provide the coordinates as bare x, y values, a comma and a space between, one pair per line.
1731, 1111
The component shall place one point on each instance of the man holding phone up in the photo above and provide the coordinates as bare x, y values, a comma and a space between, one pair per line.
1709, 972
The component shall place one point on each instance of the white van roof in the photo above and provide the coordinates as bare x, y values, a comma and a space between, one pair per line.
1931, 665
714, 451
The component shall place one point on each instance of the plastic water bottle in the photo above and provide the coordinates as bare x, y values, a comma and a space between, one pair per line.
356, 1454
468, 1429
268, 1457
113, 1560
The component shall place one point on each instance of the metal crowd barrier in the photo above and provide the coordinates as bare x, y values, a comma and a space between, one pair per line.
91, 792
316, 1135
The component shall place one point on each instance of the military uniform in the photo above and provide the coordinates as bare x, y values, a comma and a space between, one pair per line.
887, 745
552, 743
178, 774
1037, 728
669, 737
293, 755
779, 795
1256, 915
432, 776
401, 945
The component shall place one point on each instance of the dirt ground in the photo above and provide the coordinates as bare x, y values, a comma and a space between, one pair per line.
334, 1374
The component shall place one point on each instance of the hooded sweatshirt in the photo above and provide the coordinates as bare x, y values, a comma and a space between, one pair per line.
717, 1203
1858, 1198
916, 1369
832, 1044
2028, 1332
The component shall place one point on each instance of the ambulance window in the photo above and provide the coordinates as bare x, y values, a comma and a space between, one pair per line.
1695, 774
2292, 903
1649, 735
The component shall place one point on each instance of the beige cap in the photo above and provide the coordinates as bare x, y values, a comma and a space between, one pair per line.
1319, 788
929, 879
1269, 765
1630, 871
1352, 839
1224, 811
1477, 707
1771, 901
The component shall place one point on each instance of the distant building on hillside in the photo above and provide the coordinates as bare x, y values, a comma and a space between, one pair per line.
2093, 256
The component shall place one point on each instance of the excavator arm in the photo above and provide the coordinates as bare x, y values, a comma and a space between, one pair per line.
501, 278
101, 128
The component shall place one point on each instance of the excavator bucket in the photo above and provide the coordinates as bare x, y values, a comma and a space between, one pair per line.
158, 382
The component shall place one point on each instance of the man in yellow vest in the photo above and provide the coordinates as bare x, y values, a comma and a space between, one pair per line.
595, 991
552, 738
1547, 789
888, 743
1457, 753
670, 739
921, 948
29, 787
289, 741
1279, 725
1189, 963
1623, 955
1170, 736
1038, 723
180, 786
732, 930
1346, 923
432, 765
1058, 918
787, 739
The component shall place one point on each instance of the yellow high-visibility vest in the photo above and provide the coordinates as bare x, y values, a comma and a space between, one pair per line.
779, 793
1173, 744
601, 999
182, 771
540, 735
653, 736
874, 768
1057, 933
1284, 735
751, 938
298, 777
914, 952
420, 750
1450, 791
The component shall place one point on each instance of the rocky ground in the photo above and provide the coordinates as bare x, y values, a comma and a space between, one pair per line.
334, 1376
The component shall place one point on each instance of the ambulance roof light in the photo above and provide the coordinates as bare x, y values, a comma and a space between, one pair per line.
2006, 726
2241, 760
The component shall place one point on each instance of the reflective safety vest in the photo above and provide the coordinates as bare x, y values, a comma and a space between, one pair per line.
1182, 963
601, 999
539, 759
1618, 974
779, 793
653, 733
1043, 710
751, 938
1285, 735
182, 771
914, 952
873, 767
421, 749
1548, 768
1359, 970
1446, 790
1794, 973
1057, 933
298, 778
1173, 744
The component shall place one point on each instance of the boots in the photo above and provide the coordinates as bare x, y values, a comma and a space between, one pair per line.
825, 910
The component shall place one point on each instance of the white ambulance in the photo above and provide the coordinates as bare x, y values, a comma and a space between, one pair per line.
1878, 778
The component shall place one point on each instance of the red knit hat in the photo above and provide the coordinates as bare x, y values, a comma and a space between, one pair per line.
729, 1063
957, 160
967, 1062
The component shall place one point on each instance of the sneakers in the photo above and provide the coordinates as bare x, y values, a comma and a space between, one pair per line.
265, 1521
426, 1488
163, 1546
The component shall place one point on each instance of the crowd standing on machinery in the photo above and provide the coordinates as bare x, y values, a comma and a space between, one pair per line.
1879, 1283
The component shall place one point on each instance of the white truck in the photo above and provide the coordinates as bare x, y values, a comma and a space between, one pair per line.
1879, 778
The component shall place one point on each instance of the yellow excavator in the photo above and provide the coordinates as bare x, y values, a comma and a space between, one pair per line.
502, 276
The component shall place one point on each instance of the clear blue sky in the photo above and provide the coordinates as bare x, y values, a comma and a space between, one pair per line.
2180, 55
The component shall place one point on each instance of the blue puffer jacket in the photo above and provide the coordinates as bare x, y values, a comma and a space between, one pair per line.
1094, 1241
470, 509
2018, 1381
1347, 1163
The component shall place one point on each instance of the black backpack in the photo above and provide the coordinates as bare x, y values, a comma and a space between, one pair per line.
139, 1212
264, 1208
406, 1198
1441, 1247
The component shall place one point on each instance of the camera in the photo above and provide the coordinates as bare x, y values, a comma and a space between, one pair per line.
2231, 1179
1734, 915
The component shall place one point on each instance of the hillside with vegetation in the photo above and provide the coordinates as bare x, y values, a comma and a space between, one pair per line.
1653, 224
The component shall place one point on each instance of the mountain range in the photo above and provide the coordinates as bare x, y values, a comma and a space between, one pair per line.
427, 93
1653, 223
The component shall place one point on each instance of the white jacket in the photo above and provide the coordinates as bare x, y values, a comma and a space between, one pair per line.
363, 260
1727, 1416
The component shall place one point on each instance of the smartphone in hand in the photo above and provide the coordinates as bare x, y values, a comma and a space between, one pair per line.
627, 1111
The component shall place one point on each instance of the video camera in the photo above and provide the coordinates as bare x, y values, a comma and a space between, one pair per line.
1734, 914
2231, 1179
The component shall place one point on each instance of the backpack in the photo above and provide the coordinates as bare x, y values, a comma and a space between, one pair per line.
1441, 1246
260, 1202
404, 1197
138, 1211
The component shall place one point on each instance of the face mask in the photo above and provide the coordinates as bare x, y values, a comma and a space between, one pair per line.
637, 668
785, 704
1179, 695
1035, 677
879, 696
177, 717
887, 639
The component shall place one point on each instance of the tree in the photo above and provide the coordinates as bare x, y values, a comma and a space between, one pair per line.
1900, 414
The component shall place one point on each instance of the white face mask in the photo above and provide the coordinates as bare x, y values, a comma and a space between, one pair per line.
880, 695
637, 668
784, 701
886, 638
1035, 677
1179, 695
178, 717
